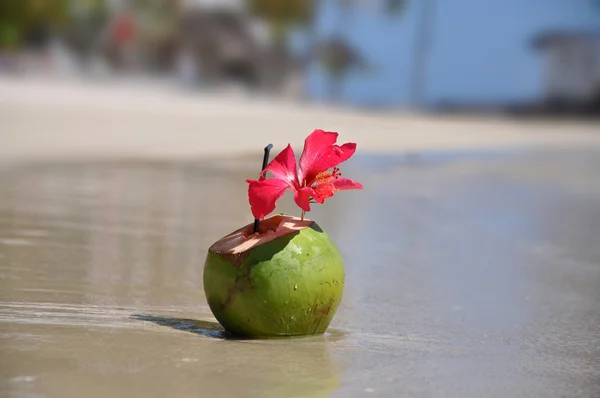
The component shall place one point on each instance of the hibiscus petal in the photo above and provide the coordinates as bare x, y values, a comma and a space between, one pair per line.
263, 194
345, 183
302, 197
321, 153
314, 145
336, 155
283, 166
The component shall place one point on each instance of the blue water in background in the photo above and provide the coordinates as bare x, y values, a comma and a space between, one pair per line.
480, 51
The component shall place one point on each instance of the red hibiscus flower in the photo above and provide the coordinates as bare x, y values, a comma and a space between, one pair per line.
311, 181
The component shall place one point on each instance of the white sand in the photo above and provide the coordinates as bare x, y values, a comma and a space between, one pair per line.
42, 119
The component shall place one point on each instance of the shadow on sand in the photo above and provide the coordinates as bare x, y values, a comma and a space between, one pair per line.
213, 329
203, 328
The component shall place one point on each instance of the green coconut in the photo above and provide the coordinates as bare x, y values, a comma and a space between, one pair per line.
285, 280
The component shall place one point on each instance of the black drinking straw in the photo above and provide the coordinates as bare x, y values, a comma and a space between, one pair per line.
265, 162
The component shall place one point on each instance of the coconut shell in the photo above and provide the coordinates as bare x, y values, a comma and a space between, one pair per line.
287, 280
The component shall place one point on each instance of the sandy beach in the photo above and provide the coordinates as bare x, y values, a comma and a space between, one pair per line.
49, 119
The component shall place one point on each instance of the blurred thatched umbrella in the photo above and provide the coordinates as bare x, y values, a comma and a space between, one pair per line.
337, 55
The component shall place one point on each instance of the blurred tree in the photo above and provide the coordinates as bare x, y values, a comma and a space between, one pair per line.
86, 20
30, 21
282, 15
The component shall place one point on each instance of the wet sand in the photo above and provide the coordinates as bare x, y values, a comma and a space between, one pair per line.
468, 275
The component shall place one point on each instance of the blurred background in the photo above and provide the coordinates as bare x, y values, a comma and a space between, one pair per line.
128, 129
534, 56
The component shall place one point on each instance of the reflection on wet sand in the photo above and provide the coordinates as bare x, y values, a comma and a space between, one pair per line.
466, 276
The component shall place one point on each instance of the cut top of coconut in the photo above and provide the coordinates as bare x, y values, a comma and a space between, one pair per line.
270, 228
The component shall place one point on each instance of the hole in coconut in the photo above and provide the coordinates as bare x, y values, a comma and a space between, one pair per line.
270, 228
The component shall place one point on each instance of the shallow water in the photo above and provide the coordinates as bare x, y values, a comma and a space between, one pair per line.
468, 275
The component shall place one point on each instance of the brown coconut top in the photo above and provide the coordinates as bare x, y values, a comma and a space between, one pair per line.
270, 228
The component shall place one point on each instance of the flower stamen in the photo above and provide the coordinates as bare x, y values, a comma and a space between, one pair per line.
326, 177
